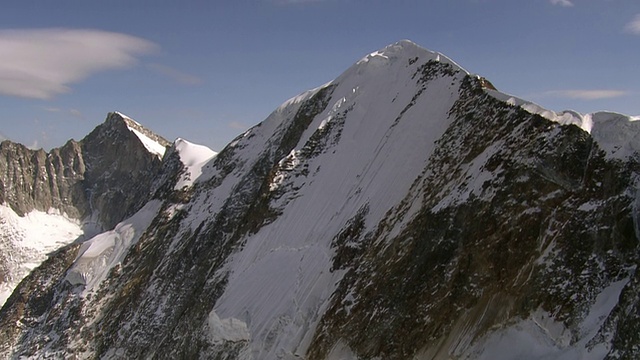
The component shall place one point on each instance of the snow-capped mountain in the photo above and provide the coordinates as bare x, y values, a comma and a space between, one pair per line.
71, 193
405, 210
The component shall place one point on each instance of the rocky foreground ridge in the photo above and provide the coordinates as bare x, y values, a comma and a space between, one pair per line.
405, 210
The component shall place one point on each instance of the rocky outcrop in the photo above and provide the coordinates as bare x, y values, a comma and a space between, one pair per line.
34, 179
94, 183
120, 170
107, 175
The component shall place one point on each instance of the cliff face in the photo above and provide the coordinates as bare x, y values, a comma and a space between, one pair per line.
120, 169
93, 184
96, 176
33, 179
406, 210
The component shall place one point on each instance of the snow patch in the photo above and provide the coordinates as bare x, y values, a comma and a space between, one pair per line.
229, 329
408, 49
153, 146
618, 135
98, 255
30, 239
126, 117
194, 157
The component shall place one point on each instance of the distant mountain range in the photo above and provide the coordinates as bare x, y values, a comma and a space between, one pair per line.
405, 210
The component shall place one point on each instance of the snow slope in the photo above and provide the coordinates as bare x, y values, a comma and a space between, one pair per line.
194, 157
280, 281
150, 144
98, 255
27, 241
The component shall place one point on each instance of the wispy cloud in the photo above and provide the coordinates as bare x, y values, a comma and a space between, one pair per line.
586, 94
564, 3
176, 75
43, 63
76, 114
73, 112
633, 26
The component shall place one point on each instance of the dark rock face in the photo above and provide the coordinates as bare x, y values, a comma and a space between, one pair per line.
120, 171
33, 179
107, 174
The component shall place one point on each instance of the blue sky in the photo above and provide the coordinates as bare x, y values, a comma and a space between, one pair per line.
207, 70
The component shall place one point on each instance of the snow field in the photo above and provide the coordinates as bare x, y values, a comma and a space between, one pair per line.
31, 238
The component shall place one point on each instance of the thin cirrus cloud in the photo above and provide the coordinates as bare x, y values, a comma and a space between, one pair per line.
586, 94
43, 63
633, 27
564, 3
72, 112
175, 75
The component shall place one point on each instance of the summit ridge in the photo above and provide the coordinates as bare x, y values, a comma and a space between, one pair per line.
404, 210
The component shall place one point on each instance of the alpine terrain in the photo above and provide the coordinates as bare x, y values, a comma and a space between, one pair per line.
405, 210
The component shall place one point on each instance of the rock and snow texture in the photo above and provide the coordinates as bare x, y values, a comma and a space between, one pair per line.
27, 240
151, 142
98, 255
617, 134
51, 199
403, 210
372, 127
194, 157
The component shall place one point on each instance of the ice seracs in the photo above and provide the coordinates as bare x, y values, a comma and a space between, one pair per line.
101, 253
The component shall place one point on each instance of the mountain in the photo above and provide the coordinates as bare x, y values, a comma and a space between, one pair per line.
405, 210
72, 192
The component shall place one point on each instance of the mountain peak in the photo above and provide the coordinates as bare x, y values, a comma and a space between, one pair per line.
407, 50
404, 210
153, 142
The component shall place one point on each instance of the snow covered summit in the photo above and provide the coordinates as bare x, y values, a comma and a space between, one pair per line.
404, 210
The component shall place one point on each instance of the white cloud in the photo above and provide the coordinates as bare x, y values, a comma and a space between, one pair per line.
634, 26
587, 94
43, 63
564, 3
176, 75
